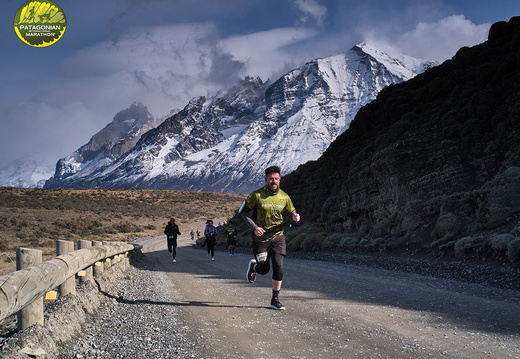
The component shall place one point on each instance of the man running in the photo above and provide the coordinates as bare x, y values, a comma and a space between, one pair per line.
231, 234
171, 231
263, 211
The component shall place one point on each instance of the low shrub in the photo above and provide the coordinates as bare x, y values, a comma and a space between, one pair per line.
295, 242
468, 246
442, 241
513, 251
500, 242
126, 227
516, 230
349, 242
364, 242
313, 242
3, 245
378, 242
448, 223
332, 241
502, 199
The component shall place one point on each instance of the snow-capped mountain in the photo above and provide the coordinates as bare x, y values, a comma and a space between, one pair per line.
224, 143
26, 173
109, 144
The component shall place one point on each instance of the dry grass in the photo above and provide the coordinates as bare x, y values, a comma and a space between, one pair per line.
36, 218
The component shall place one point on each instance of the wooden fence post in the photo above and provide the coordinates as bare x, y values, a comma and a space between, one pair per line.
88, 271
33, 313
98, 266
108, 261
20, 288
69, 285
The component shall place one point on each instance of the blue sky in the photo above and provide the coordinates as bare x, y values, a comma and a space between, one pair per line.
165, 52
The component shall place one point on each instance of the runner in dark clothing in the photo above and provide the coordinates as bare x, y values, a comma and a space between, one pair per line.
210, 232
171, 231
231, 234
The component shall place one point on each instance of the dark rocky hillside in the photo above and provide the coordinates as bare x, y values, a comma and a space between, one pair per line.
431, 166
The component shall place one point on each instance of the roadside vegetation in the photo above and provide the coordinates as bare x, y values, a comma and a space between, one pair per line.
36, 218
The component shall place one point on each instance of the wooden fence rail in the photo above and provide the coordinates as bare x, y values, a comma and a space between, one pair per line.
21, 288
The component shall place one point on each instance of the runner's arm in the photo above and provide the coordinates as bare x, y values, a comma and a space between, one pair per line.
245, 212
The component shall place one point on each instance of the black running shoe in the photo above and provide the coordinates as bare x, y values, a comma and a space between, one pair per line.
275, 304
251, 274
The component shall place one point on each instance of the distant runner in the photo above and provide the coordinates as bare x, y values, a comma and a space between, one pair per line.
231, 234
211, 238
171, 231
263, 211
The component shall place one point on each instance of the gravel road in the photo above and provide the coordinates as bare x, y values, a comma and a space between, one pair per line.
198, 308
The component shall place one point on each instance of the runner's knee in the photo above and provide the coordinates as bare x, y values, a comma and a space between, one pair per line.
278, 267
262, 267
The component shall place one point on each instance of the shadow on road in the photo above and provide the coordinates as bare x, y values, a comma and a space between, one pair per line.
120, 299
472, 306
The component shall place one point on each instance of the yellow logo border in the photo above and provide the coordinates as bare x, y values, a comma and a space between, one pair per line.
43, 22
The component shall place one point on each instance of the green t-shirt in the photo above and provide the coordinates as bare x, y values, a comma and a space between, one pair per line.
268, 209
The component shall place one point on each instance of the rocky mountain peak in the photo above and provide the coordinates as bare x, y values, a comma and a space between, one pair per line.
111, 142
223, 143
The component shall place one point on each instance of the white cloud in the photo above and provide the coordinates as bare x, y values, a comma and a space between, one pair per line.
166, 66
436, 41
312, 8
440, 40
163, 67
264, 53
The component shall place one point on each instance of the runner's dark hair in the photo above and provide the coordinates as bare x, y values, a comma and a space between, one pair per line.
272, 169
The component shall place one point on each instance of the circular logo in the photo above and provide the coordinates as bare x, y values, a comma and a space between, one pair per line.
40, 23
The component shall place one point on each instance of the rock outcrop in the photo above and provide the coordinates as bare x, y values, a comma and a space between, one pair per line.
432, 163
